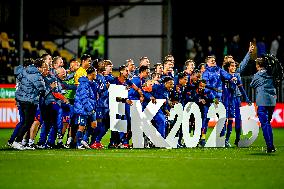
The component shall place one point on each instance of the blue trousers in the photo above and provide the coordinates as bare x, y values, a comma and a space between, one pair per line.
265, 115
204, 110
29, 111
233, 111
238, 118
53, 124
18, 126
103, 124
125, 137
160, 123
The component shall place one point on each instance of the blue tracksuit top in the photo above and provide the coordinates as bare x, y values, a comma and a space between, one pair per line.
180, 95
95, 87
205, 94
103, 101
265, 90
233, 89
214, 77
167, 75
30, 84
49, 97
241, 68
18, 72
84, 98
139, 82
243, 63
159, 91
110, 79
127, 82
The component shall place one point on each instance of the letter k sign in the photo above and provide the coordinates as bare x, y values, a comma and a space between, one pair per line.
141, 123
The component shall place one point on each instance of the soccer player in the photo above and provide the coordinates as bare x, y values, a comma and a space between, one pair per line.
102, 105
235, 91
122, 79
178, 95
203, 97
84, 106
214, 77
162, 91
232, 93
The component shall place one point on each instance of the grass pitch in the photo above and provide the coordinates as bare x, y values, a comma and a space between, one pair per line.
144, 168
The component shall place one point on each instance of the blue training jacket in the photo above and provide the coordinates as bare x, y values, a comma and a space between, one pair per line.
265, 90
30, 84
214, 77
84, 98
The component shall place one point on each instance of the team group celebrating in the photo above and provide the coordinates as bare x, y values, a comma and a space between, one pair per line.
54, 102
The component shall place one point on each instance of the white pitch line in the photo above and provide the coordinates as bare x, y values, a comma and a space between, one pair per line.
124, 155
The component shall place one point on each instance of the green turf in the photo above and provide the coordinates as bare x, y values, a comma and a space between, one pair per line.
144, 168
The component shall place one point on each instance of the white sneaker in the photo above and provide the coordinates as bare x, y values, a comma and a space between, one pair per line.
30, 147
41, 146
81, 147
24, 142
67, 146
85, 144
18, 146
